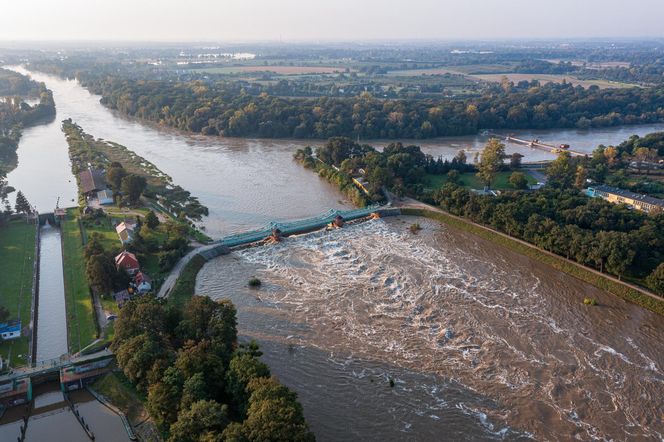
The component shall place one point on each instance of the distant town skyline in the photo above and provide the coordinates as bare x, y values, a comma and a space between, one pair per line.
315, 20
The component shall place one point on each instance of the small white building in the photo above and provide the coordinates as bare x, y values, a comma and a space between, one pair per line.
105, 197
10, 330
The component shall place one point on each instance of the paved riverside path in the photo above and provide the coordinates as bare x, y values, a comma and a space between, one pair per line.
172, 277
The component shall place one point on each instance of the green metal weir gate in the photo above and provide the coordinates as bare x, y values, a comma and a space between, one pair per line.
299, 226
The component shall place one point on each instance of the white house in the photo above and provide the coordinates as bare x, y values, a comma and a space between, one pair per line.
10, 330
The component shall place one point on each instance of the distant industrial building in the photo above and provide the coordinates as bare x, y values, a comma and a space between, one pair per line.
615, 195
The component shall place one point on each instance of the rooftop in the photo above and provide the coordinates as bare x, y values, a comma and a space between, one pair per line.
630, 195
92, 180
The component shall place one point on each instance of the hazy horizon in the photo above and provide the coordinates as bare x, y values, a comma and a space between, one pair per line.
340, 21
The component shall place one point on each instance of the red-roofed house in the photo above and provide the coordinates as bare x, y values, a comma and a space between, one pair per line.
128, 262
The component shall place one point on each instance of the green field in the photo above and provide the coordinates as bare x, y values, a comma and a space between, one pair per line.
81, 326
471, 181
17, 254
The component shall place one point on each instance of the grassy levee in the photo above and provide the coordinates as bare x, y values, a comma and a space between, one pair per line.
122, 394
17, 255
186, 283
81, 324
559, 263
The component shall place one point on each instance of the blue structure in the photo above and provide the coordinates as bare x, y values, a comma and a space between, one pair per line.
10, 330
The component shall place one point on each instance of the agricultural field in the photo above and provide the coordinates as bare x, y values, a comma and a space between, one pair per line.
547, 78
17, 254
281, 70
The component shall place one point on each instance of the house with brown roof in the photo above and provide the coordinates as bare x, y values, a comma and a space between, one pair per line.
91, 181
128, 262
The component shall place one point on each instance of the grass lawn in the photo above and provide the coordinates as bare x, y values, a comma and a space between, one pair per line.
104, 227
471, 181
17, 254
186, 284
81, 325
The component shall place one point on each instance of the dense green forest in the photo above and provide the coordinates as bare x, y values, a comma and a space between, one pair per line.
225, 108
200, 384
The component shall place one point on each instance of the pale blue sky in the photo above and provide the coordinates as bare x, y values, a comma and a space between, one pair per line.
340, 20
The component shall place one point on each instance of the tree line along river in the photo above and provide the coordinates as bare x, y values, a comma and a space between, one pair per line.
479, 343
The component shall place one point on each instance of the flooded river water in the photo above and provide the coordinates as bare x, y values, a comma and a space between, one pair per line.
245, 183
479, 342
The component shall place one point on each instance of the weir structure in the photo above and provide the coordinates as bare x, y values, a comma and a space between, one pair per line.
224, 245
73, 372
290, 228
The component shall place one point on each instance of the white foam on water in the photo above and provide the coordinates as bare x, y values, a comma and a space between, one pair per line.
414, 300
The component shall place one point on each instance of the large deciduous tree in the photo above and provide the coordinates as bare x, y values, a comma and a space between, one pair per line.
133, 187
656, 280
491, 161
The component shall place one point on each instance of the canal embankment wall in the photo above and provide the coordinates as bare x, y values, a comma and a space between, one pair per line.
34, 308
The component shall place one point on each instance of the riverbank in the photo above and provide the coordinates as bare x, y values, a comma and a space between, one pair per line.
605, 282
85, 151
17, 257
115, 388
185, 285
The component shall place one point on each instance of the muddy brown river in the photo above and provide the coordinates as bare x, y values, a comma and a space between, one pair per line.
481, 343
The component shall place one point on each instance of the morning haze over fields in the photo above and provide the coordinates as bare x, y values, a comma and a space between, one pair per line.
295, 221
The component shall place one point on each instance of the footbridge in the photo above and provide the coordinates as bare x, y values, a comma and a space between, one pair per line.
73, 372
537, 144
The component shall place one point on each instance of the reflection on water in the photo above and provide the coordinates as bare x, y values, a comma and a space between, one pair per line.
52, 316
53, 420
480, 341
581, 141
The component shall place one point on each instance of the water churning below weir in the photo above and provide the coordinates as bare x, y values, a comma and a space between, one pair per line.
480, 342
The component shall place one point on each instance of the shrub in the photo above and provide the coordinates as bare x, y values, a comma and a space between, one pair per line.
254, 282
